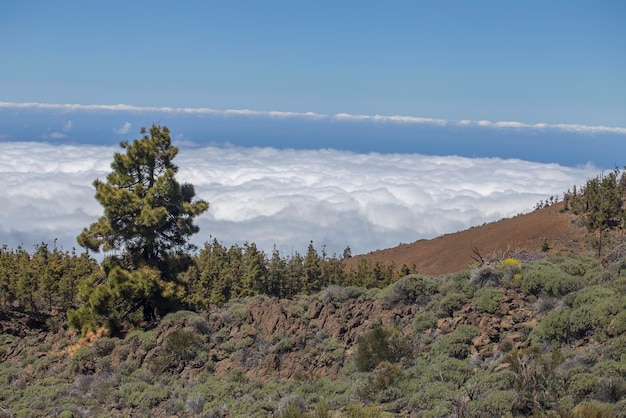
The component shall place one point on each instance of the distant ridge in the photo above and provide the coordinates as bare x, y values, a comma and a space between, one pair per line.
449, 253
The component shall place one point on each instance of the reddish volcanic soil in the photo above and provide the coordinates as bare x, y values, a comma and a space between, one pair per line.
449, 253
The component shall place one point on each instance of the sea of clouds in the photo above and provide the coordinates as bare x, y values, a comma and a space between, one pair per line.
284, 198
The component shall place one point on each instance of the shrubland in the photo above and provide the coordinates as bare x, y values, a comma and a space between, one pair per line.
452, 345
161, 328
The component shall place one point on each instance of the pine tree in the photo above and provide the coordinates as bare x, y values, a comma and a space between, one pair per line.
148, 219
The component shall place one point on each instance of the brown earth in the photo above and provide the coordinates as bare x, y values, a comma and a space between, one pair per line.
564, 232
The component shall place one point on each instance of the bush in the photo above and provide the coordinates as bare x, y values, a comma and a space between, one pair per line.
616, 350
182, 345
450, 302
557, 276
511, 269
195, 403
378, 385
554, 328
178, 316
291, 407
103, 346
413, 289
424, 320
486, 276
594, 409
582, 386
496, 403
379, 345
488, 299
456, 344
334, 294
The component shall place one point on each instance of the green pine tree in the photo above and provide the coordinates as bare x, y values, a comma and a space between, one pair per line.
148, 219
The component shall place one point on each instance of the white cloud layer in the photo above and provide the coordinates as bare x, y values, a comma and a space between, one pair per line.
284, 197
578, 128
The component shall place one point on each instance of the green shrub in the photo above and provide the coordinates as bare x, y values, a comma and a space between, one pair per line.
582, 386
424, 320
413, 289
378, 386
450, 302
358, 411
488, 299
594, 409
494, 403
593, 309
231, 346
284, 345
147, 339
103, 346
553, 328
178, 316
616, 349
142, 395
238, 309
334, 294
618, 326
559, 276
380, 344
456, 283
456, 344
182, 345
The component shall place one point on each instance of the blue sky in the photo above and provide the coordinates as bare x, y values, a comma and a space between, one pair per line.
346, 123
532, 61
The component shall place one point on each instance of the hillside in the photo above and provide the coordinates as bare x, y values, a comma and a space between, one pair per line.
542, 339
450, 253
534, 331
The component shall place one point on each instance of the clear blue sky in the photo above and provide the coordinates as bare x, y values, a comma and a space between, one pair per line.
527, 61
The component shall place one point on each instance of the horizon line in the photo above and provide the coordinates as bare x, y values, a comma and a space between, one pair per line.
398, 119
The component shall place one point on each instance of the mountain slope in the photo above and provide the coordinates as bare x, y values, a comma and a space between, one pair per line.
454, 252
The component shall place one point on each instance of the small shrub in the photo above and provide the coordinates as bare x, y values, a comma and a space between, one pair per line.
237, 375
234, 345
450, 302
178, 316
593, 409
616, 350
358, 411
147, 339
103, 346
424, 320
200, 325
582, 386
238, 309
334, 294
284, 345
610, 389
554, 328
291, 407
488, 299
495, 403
511, 269
182, 345
378, 384
413, 289
379, 345
195, 403
456, 344
486, 276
